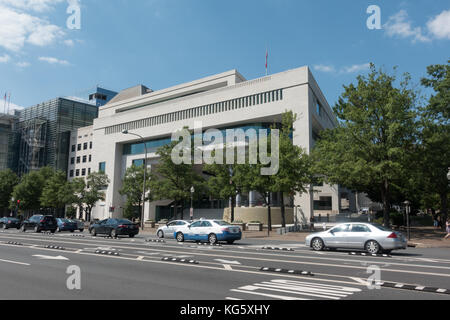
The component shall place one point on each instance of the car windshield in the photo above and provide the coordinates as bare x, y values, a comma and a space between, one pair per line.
380, 227
221, 223
122, 221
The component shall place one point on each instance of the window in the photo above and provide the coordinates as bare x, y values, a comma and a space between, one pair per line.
72, 160
78, 159
73, 148
102, 167
319, 108
196, 224
90, 145
138, 162
325, 203
79, 147
360, 228
89, 170
85, 146
84, 159
342, 228
78, 173
90, 158
71, 173
83, 172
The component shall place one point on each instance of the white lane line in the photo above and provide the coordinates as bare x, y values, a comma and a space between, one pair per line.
140, 258
228, 267
44, 257
359, 280
266, 294
15, 262
231, 298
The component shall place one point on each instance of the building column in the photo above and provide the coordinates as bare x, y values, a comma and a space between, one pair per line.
238, 200
251, 198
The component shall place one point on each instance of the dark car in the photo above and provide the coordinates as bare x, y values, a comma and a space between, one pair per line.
40, 223
7, 223
66, 225
114, 228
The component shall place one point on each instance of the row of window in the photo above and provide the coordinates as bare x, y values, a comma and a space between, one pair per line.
85, 146
77, 172
85, 159
248, 101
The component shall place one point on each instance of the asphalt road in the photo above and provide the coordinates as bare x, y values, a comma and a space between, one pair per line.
135, 269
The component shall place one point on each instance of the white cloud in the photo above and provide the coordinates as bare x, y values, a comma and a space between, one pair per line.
5, 58
18, 27
439, 26
69, 43
31, 5
52, 60
398, 25
324, 68
355, 68
23, 64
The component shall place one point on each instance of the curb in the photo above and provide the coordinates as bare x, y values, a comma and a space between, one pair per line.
395, 285
179, 260
277, 248
15, 243
155, 240
289, 271
55, 247
105, 252
369, 254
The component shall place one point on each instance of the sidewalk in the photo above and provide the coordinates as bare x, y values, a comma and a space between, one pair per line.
423, 237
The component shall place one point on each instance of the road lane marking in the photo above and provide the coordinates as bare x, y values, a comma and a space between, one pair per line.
44, 257
15, 262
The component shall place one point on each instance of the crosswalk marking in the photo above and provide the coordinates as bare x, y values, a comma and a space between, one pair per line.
296, 290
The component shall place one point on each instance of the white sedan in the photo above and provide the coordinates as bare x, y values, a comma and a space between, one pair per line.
211, 231
168, 230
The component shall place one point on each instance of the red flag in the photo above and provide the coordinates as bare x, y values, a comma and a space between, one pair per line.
267, 57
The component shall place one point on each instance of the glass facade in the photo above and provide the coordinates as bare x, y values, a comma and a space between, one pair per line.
154, 145
45, 129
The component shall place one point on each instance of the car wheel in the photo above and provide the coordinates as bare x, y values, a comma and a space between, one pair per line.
317, 244
53, 231
36, 229
180, 237
160, 234
372, 247
131, 235
72, 231
93, 232
81, 230
113, 233
212, 238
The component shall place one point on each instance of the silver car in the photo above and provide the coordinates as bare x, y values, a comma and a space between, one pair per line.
370, 237
168, 230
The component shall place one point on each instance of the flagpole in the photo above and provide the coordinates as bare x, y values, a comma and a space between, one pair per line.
9, 101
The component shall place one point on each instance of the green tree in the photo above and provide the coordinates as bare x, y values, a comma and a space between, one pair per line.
368, 151
56, 192
30, 188
435, 137
8, 180
132, 188
174, 181
294, 172
94, 191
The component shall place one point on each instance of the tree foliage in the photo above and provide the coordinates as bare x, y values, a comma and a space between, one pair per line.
8, 180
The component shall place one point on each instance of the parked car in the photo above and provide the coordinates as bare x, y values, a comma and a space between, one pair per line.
114, 228
211, 231
40, 223
66, 225
168, 230
370, 237
7, 223
80, 224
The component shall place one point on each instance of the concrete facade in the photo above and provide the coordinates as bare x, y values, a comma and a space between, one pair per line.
219, 101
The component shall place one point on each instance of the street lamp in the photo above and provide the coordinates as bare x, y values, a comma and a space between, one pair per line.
448, 174
191, 214
407, 205
145, 176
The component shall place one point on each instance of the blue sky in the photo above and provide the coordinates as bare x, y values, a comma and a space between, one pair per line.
161, 43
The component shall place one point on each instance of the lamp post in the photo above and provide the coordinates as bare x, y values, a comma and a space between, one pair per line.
145, 176
448, 174
407, 208
191, 213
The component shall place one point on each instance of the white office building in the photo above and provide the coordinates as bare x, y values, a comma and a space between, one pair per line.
221, 101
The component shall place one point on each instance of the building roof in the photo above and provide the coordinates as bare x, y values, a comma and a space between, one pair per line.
132, 92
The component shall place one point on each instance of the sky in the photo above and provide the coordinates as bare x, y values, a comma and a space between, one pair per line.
118, 44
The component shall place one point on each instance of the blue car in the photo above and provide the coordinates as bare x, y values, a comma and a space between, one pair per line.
66, 225
211, 231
